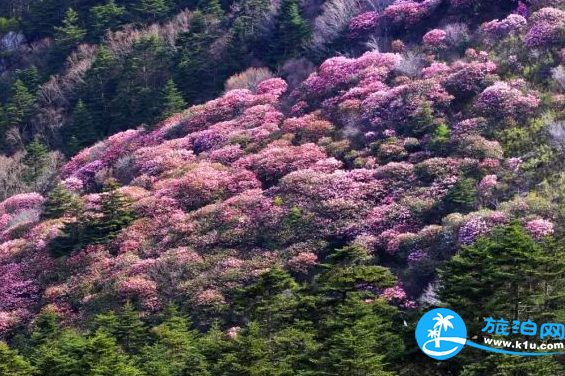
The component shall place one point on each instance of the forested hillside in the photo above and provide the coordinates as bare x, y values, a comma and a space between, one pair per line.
277, 188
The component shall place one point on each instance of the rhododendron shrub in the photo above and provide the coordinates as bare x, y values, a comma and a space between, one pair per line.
547, 28
18, 203
501, 99
363, 24
470, 78
435, 39
206, 183
539, 228
514, 24
279, 159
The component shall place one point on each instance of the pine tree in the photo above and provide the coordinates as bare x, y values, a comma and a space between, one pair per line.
105, 17
105, 358
36, 161
80, 132
12, 364
500, 276
59, 202
213, 8
69, 34
114, 213
72, 237
19, 106
292, 33
175, 351
130, 330
154, 9
30, 78
462, 196
172, 100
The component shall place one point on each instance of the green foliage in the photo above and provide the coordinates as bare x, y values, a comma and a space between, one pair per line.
8, 24
80, 131
292, 32
69, 34
462, 196
172, 100
12, 364
105, 17
36, 161
153, 9
20, 105
59, 202
113, 213
29, 77
94, 226
503, 275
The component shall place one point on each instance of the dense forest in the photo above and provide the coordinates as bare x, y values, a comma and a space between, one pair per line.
277, 187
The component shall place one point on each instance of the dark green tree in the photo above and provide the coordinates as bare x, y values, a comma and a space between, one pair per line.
212, 7
172, 100
105, 17
503, 275
462, 196
113, 214
12, 364
128, 329
59, 202
80, 131
20, 105
36, 161
292, 32
153, 9
175, 351
104, 357
69, 34
30, 78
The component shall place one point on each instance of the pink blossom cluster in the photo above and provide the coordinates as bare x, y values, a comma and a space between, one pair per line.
302, 262
514, 24
547, 28
470, 78
501, 99
435, 39
539, 228
488, 183
405, 14
24, 201
363, 24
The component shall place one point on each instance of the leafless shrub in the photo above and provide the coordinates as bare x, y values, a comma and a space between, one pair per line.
49, 175
123, 169
297, 70
25, 216
410, 65
556, 131
121, 42
335, 17
248, 79
558, 75
220, 45
379, 5
456, 33
11, 176
429, 296
374, 43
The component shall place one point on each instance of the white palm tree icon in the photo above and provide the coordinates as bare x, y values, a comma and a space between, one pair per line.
433, 333
442, 322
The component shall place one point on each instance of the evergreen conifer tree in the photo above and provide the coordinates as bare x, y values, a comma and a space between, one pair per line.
172, 100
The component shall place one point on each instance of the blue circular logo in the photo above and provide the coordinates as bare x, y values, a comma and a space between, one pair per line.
441, 333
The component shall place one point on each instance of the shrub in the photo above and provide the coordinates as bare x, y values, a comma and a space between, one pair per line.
248, 79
